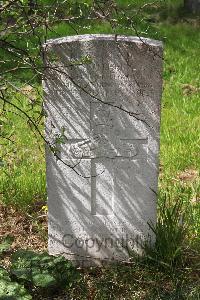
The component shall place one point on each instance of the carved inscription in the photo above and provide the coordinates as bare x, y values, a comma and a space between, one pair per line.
102, 129
106, 142
100, 146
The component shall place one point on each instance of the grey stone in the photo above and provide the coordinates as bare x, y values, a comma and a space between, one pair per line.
102, 101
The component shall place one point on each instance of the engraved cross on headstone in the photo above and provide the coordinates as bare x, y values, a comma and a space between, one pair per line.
105, 146
112, 195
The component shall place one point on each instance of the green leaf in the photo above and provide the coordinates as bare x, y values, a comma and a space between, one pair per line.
13, 290
6, 242
4, 274
10, 290
42, 270
44, 280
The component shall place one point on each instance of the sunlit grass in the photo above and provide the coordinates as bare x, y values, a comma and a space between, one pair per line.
22, 179
180, 130
22, 175
22, 168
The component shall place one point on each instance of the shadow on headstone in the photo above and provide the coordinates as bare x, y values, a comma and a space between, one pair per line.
104, 94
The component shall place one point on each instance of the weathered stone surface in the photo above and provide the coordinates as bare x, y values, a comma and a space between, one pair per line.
102, 100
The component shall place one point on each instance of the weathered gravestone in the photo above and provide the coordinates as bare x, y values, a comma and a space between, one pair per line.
102, 100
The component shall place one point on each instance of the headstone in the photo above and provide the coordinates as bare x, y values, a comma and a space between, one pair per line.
102, 103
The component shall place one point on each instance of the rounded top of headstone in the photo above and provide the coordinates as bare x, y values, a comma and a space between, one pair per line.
104, 37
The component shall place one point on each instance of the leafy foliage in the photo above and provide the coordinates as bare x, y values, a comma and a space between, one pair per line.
6, 243
42, 270
36, 271
23, 30
10, 290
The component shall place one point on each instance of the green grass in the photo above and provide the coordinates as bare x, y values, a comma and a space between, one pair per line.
22, 178
180, 135
137, 282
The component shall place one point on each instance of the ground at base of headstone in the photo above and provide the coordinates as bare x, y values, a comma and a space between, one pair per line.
140, 279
